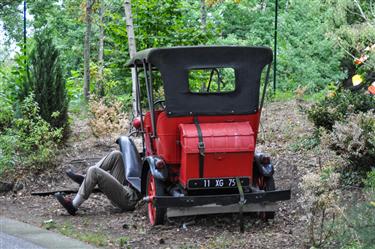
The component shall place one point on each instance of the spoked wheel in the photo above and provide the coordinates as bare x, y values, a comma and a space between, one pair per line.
266, 184
155, 188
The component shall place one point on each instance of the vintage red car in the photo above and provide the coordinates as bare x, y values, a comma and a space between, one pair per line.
199, 141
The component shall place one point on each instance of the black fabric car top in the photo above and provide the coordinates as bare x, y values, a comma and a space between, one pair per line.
174, 65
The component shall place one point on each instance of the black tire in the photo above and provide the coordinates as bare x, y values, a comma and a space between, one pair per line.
158, 216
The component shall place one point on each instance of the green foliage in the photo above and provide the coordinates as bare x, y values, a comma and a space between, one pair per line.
355, 228
31, 141
247, 21
123, 242
11, 19
6, 114
370, 181
337, 107
46, 80
306, 143
156, 24
215, 80
307, 56
7, 151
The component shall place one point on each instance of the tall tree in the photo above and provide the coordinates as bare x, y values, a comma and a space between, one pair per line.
203, 14
11, 19
99, 83
132, 47
47, 82
86, 51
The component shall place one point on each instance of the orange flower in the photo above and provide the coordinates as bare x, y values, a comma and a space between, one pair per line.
357, 61
371, 89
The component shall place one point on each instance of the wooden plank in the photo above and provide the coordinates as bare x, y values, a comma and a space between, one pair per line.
65, 191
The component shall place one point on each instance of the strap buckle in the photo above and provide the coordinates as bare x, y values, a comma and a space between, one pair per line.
201, 148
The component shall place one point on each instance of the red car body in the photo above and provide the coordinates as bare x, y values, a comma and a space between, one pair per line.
198, 151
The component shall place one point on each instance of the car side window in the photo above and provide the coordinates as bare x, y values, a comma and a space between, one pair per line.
212, 80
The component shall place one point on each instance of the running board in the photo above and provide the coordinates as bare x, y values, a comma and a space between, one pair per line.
217, 209
222, 200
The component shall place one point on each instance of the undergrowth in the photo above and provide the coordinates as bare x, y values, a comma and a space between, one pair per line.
108, 118
29, 141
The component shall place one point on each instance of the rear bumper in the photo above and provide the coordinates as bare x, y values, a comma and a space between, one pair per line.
221, 200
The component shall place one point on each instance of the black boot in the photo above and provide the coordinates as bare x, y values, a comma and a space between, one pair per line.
66, 203
75, 177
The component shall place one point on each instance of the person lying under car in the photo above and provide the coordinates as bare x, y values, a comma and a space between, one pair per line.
109, 175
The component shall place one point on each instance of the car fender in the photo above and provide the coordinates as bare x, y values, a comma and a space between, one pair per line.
132, 161
161, 174
149, 164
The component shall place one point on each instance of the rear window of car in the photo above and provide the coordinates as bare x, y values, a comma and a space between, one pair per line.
212, 80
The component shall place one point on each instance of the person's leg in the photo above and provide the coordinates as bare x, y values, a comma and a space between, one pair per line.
111, 184
122, 196
114, 164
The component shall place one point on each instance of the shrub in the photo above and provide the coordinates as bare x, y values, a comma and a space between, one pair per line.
6, 113
355, 226
46, 81
337, 106
354, 140
107, 118
31, 141
370, 181
7, 151
320, 202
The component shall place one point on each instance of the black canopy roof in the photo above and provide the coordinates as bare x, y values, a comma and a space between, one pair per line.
174, 65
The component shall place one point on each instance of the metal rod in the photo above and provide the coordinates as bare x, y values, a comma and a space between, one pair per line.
265, 87
24, 38
153, 121
139, 106
275, 46
150, 101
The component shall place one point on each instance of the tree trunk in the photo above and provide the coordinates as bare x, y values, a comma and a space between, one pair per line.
203, 14
86, 51
99, 83
132, 48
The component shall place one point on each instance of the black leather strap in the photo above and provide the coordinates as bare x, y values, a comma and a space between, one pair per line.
200, 147
242, 202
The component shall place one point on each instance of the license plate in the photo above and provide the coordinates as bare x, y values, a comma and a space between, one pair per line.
209, 183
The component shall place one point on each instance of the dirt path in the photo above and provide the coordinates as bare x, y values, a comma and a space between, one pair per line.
99, 223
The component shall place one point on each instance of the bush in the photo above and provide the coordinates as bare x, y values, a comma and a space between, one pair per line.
319, 202
7, 151
370, 181
31, 141
46, 81
355, 226
354, 140
338, 106
108, 118
6, 113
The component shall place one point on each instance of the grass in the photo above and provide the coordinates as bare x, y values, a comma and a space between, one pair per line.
282, 96
67, 229
305, 143
97, 239
123, 242
94, 238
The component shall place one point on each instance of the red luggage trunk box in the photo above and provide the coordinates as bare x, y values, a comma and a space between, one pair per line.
229, 150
